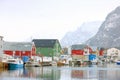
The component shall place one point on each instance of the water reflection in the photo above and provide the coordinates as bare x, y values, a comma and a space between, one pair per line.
104, 72
45, 73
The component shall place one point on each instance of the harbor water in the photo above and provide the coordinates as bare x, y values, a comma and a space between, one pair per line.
92, 72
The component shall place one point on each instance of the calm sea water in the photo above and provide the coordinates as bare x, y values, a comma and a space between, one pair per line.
101, 72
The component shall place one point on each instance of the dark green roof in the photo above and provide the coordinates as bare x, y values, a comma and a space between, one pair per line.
49, 43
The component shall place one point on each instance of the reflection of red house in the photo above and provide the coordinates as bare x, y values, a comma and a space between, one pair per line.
77, 74
80, 49
19, 48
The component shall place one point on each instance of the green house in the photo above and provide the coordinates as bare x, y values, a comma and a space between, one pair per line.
47, 47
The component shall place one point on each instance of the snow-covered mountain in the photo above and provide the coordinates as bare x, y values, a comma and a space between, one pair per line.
81, 34
109, 32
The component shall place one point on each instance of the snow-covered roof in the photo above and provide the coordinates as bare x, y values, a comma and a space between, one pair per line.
78, 46
20, 46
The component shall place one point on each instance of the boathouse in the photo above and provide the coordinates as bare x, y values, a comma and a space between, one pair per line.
19, 49
47, 47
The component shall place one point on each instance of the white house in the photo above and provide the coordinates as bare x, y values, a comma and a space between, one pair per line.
113, 54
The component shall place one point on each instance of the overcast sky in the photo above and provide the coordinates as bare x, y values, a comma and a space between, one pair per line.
44, 19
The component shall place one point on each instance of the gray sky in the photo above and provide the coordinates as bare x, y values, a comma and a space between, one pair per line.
21, 19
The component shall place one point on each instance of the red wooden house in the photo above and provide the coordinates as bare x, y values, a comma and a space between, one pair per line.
80, 49
19, 49
101, 51
80, 52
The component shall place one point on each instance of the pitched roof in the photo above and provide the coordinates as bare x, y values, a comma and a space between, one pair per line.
78, 46
20, 46
49, 43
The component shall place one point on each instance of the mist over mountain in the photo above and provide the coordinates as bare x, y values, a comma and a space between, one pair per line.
81, 34
108, 34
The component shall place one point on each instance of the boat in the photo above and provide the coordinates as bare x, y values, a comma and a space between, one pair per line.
14, 63
118, 62
53, 63
94, 61
32, 63
3, 60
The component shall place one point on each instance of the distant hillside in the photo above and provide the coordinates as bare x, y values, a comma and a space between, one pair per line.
109, 32
83, 33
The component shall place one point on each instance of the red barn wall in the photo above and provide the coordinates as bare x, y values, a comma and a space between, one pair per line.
26, 53
77, 52
18, 53
8, 52
101, 52
32, 52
